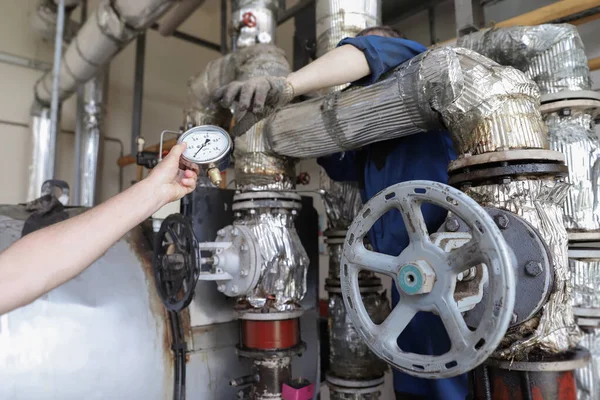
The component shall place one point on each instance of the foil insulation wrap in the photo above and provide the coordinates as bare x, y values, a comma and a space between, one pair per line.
349, 357
284, 260
540, 203
265, 12
585, 275
255, 167
335, 260
342, 202
588, 378
574, 136
339, 19
552, 55
485, 106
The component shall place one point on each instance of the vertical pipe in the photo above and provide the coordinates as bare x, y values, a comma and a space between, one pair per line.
138, 91
223, 27
55, 105
79, 127
95, 94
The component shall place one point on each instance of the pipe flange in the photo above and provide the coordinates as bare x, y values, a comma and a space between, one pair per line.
256, 314
353, 385
533, 268
497, 157
570, 95
577, 237
274, 200
591, 107
271, 354
335, 233
575, 359
584, 253
504, 172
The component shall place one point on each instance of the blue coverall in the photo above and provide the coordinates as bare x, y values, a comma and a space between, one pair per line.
422, 156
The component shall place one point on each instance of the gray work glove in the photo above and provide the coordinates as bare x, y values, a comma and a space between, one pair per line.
256, 99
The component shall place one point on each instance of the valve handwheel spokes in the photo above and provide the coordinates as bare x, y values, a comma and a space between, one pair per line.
175, 264
426, 277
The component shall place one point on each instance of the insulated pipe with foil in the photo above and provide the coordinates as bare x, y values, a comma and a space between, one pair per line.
95, 94
108, 30
485, 106
339, 19
553, 56
42, 154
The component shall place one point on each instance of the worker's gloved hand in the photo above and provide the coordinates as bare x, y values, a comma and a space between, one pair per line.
255, 99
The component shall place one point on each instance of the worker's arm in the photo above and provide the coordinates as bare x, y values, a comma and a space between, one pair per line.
45, 259
360, 60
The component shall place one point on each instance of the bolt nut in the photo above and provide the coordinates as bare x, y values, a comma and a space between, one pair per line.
234, 289
514, 318
452, 224
416, 278
237, 214
252, 212
533, 268
221, 288
235, 231
220, 233
244, 247
502, 221
244, 272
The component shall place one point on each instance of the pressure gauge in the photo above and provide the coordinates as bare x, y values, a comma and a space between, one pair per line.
208, 148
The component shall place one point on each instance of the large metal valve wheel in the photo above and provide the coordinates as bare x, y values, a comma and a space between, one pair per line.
426, 278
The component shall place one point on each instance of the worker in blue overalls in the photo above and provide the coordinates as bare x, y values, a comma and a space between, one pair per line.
363, 60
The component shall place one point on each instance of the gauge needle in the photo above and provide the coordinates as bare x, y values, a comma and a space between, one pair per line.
201, 147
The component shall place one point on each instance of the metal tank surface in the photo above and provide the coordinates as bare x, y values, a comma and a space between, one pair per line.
102, 335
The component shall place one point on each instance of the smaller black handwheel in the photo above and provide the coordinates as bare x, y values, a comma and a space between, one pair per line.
175, 264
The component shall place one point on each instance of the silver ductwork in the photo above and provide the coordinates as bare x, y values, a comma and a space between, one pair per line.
553, 56
574, 135
342, 202
339, 19
485, 106
109, 29
43, 147
95, 93
284, 262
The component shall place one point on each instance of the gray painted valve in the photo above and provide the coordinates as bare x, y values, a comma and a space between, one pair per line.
426, 278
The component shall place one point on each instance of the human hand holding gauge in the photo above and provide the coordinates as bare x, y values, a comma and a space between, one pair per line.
207, 151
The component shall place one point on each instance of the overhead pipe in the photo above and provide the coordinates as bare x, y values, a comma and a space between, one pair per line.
107, 31
178, 15
110, 27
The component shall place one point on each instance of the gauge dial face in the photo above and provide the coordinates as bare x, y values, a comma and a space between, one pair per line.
205, 144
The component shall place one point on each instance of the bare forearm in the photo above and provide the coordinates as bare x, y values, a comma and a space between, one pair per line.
342, 65
50, 257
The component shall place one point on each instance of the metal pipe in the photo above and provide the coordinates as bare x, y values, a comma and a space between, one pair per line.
79, 125
13, 59
138, 91
55, 104
95, 94
191, 39
223, 27
109, 29
121, 153
293, 11
178, 15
